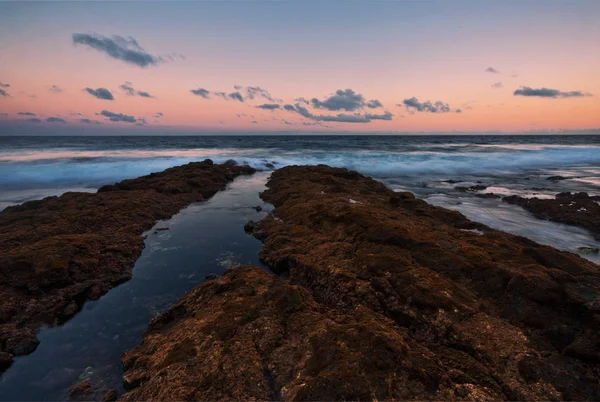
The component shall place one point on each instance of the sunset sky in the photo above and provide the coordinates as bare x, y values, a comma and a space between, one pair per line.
305, 66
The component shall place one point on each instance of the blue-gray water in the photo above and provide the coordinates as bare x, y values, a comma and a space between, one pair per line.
207, 237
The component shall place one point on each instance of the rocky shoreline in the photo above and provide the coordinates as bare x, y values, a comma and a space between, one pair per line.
578, 209
380, 296
58, 252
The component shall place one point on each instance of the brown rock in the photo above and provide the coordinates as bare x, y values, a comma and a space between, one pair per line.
577, 209
57, 252
82, 391
496, 297
392, 299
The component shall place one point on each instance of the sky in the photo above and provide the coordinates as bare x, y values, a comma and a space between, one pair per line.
301, 66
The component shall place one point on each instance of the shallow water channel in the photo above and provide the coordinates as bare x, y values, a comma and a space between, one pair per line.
206, 237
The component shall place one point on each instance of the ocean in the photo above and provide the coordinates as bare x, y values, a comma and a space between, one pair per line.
208, 237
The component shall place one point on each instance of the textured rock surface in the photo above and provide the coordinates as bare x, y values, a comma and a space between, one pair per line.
57, 252
392, 298
577, 209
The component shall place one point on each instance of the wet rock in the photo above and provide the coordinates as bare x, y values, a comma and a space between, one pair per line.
577, 209
452, 181
211, 277
257, 208
556, 178
110, 395
488, 195
82, 391
476, 187
270, 165
58, 252
249, 227
5, 360
588, 250
21, 342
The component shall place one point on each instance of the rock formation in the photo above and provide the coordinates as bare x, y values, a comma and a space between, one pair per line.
381, 296
577, 209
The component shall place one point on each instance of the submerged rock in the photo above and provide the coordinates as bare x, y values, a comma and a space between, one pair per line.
390, 299
588, 250
477, 187
58, 252
577, 209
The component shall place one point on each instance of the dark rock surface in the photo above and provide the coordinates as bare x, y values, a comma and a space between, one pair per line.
392, 298
58, 252
577, 209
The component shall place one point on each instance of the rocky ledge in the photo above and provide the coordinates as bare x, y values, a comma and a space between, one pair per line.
577, 209
57, 252
382, 296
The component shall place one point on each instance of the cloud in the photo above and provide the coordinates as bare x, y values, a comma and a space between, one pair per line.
118, 47
347, 100
3, 92
339, 118
414, 105
34, 120
26, 114
56, 120
302, 100
385, 116
100, 93
374, 103
497, 85
118, 117
3, 114
88, 121
548, 93
253, 92
130, 91
236, 96
158, 114
492, 70
4, 85
269, 106
205, 93
55, 89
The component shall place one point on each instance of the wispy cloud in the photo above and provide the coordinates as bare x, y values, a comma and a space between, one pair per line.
549, 93
3, 92
88, 121
55, 89
126, 49
100, 93
56, 120
253, 92
339, 118
497, 85
117, 117
2, 85
269, 106
34, 120
414, 105
130, 91
492, 70
26, 114
206, 94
